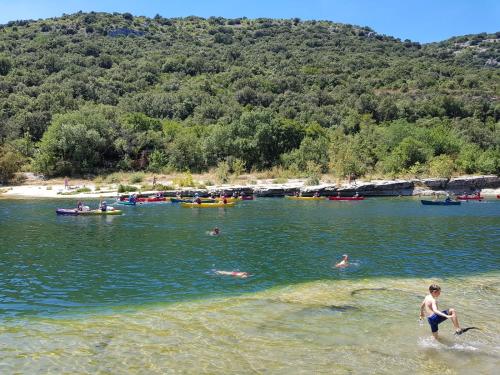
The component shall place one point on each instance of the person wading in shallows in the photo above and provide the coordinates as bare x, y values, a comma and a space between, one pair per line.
434, 316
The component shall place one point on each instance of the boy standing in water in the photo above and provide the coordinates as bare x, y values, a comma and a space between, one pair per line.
434, 316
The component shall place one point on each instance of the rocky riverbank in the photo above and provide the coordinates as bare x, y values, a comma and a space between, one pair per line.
487, 185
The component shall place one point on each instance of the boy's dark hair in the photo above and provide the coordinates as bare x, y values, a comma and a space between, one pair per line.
434, 287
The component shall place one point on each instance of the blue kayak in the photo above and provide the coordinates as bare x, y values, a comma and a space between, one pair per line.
440, 203
125, 203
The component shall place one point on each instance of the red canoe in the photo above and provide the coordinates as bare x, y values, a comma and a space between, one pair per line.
470, 197
125, 198
152, 199
346, 198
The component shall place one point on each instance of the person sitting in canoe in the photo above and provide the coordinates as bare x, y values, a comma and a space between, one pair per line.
316, 194
103, 206
344, 262
133, 198
197, 199
79, 206
356, 195
448, 199
242, 275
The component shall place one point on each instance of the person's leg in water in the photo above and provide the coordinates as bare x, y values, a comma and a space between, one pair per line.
435, 320
454, 320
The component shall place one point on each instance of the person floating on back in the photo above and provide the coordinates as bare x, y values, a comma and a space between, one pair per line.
344, 262
434, 316
242, 275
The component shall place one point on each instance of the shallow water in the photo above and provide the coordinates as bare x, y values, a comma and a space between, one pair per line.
136, 294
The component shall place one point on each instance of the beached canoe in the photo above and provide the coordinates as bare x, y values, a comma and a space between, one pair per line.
151, 199
440, 203
75, 212
470, 197
144, 198
305, 198
207, 205
346, 198
181, 200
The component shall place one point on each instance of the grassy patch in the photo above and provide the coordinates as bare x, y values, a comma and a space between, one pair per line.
126, 188
280, 180
185, 180
137, 178
77, 191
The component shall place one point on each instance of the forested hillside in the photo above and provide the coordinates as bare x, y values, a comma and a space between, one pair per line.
92, 93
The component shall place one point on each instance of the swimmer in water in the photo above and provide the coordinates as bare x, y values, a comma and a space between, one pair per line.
344, 262
215, 232
241, 275
434, 316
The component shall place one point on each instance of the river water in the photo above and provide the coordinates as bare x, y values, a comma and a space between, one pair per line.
137, 293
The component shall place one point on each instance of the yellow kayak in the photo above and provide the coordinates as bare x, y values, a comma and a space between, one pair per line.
207, 205
306, 198
230, 199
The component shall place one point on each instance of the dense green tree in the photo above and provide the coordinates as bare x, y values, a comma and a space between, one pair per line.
5, 66
78, 142
409, 152
189, 93
10, 162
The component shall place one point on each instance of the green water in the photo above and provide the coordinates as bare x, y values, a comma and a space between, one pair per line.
136, 293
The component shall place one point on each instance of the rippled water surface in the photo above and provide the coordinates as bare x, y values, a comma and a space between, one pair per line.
137, 293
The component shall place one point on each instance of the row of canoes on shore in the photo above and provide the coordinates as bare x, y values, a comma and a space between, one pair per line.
333, 198
160, 198
153, 199
221, 202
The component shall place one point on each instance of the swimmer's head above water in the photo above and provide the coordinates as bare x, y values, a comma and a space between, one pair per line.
344, 262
